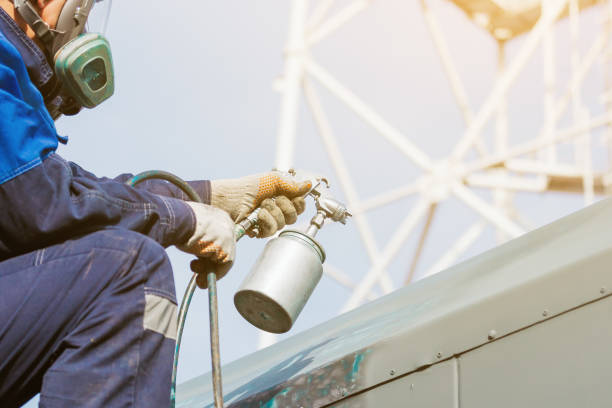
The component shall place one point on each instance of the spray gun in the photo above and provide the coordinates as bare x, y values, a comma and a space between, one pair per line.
284, 276
273, 294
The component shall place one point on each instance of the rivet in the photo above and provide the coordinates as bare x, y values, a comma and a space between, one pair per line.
602, 290
392, 372
545, 312
439, 354
492, 334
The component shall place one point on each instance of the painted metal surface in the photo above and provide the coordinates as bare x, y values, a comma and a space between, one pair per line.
563, 362
433, 387
530, 279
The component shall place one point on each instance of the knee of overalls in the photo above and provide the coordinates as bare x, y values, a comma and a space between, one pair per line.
121, 255
131, 253
146, 258
86, 266
69, 306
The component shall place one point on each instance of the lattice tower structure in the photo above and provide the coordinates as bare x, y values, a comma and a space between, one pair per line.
487, 170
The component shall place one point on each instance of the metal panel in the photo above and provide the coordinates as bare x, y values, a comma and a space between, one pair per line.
434, 387
563, 362
548, 271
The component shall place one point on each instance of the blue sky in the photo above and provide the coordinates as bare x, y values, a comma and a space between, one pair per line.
194, 96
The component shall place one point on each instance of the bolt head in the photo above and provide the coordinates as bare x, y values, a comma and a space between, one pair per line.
492, 334
392, 372
545, 312
439, 354
602, 290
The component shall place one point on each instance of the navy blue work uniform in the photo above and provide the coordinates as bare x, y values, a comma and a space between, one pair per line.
87, 298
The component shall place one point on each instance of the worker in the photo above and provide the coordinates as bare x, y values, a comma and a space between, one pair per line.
87, 297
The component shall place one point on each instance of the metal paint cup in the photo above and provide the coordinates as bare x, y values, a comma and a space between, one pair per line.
275, 291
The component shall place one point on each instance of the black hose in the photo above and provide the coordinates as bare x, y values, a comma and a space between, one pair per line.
212, 296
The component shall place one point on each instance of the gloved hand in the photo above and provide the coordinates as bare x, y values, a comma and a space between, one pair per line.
213, 239
239, 197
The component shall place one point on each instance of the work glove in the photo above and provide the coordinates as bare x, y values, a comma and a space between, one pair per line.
212, 241
279, 195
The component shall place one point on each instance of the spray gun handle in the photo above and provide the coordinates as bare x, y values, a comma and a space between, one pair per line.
249, 223
326, 205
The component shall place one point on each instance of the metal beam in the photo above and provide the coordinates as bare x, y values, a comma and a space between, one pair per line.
548, 65
395, 244
462, 244
422, 239
537, 144
326, 28
495, 181
579, 75
343, 279
488, 212
448, 65
503, 84
390, 196
294, 71
346, 181
394, 136
318, 14
501, 197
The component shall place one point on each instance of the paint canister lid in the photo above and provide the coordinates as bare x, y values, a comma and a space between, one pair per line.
298, 235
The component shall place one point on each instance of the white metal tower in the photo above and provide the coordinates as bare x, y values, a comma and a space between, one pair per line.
499, 165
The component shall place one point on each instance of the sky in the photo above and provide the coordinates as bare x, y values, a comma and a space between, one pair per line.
194, 96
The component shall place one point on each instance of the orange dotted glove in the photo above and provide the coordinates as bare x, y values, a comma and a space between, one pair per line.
213, 238
280, 197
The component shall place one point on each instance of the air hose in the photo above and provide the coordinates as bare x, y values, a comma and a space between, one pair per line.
239, 232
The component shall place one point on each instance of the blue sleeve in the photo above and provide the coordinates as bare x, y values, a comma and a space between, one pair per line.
58, 200
27, 132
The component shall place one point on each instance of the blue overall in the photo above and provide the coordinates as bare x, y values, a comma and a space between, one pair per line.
87, 298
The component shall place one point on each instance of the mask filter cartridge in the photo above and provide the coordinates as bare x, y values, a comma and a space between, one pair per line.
85, 66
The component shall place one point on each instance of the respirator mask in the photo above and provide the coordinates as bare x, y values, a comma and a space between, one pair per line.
81, 57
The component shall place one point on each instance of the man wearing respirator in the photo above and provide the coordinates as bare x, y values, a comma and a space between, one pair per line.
87, 296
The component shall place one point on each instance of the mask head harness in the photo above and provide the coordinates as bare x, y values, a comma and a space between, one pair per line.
82, 61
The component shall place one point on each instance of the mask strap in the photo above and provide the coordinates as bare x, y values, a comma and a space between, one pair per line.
40, 27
